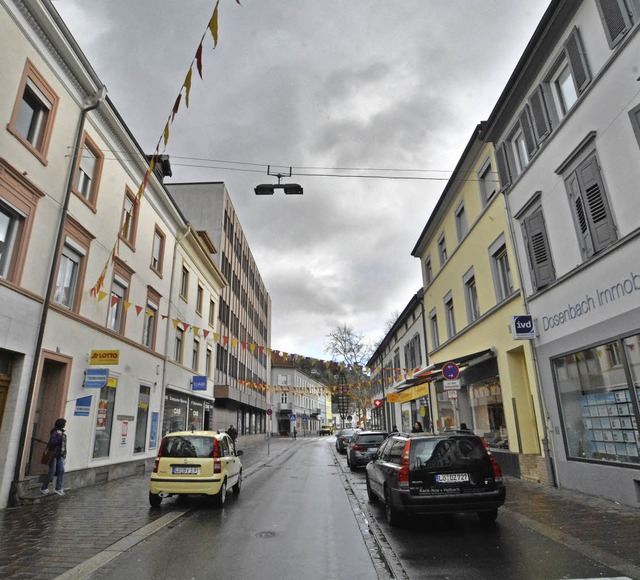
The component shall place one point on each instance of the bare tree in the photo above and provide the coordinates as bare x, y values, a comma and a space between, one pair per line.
354, 351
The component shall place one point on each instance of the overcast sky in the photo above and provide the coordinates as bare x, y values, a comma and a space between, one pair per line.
391, 88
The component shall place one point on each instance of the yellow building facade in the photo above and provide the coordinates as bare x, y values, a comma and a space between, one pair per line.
483, 378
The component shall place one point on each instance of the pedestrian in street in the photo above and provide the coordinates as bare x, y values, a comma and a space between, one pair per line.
295, 433
57, 447
395, 429
417, 427
463, 427
233, 433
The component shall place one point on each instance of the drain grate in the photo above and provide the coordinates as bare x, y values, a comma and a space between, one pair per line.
265, 534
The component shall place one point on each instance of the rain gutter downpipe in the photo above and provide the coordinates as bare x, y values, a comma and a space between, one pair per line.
550, 465
94, 102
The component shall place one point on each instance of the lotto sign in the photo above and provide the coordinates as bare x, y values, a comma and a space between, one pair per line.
523, 327
104, 357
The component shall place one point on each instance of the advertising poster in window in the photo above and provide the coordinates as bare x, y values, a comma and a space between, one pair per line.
153, 433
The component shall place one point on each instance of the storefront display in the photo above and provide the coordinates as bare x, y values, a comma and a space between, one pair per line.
600, 409
104, 419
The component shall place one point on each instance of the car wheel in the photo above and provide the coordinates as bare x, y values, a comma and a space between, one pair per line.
488, 517
373, 498
155, 500
221, 497
238, 485
393, 516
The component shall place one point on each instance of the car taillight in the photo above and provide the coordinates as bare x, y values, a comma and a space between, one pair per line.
217, 466
403, 472
216, 448
157, 461
357, 447
497, 470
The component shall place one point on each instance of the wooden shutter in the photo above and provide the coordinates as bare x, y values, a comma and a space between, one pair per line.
540, 115
580, 215
503, 165
598, 214
615, 18
577, 61
527, 131
537, 242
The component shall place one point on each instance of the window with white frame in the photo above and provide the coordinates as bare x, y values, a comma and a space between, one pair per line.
129, 222
433, 323
501, 269
442, 250
195, 354
412, 353
88, 170
199, 299
34, 112
449, 315
10, 227
157, 251
150, 324
68, 271
184, 282
209, 358
115, 317
471, 296
488, 182
212, 312
462, 227
428, 270
178, 345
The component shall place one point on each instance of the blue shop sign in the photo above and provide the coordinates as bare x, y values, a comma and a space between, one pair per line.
96, 378
199, 383
83, 406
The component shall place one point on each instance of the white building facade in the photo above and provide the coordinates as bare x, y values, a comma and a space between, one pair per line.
567, 135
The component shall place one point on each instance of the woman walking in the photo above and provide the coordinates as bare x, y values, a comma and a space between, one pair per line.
57, 446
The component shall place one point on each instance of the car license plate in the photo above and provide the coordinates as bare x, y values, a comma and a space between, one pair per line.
185, 471
452, 477
373, 450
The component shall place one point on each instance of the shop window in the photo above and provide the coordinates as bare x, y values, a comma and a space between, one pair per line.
175, 412
142, 418
88, 171
600, 419
34, 113
104, 419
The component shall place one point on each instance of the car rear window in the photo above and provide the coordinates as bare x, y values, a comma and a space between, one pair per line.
187, 446
373, 438
446, 451
347, 432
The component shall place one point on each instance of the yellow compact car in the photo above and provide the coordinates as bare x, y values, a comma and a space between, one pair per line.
198, 463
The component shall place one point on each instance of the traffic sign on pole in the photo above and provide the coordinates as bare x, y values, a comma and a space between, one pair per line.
450, 371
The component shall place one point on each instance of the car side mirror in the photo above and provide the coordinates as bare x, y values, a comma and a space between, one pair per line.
239, 453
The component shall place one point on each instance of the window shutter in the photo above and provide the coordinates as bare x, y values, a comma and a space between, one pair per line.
581, 218
615, 17
541, 122
503, 166
527, 131
538, 249
577, 61
597, 210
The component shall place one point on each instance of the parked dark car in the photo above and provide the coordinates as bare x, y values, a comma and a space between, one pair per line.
363, 446
416, 474
342, 439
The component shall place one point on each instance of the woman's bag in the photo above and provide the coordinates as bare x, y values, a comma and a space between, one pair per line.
47, 457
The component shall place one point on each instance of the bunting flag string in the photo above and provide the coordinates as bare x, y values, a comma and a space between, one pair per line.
212, 29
